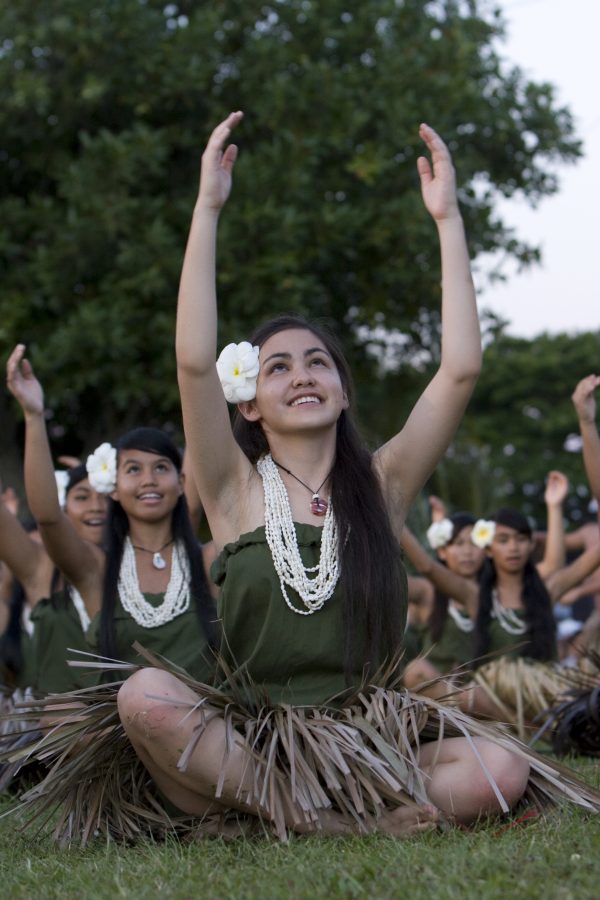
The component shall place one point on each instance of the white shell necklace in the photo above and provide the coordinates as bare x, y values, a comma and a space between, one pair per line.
77, 601
177, 595
507, 618
283, 544
463, 623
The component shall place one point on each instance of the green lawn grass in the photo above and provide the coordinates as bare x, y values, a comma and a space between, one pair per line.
554, 857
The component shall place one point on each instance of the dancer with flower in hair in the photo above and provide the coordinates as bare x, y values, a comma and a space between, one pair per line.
47, 613
446, 601
514, 622
148, 581
312, 589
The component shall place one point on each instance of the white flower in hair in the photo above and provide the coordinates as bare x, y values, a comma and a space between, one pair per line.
62, 480
237, 367
101, 467
440, 533
483, 532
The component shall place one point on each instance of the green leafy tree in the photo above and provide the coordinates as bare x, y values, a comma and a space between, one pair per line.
106, 106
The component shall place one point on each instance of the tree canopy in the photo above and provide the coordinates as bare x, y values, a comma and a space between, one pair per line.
106, 108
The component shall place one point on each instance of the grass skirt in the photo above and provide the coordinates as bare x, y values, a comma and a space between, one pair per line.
525, 690
358, 761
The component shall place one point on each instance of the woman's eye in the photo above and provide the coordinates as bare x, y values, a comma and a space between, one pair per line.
317, 361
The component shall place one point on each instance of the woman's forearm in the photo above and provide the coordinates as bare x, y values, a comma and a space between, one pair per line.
40, 483
461, 337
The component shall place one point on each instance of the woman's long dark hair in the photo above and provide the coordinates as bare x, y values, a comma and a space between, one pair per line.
151, 440
372, 577
439, 611
540, 637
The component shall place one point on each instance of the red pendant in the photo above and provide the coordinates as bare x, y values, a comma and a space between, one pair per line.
318, 506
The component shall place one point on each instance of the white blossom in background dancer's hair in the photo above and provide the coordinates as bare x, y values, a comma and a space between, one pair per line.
101, 467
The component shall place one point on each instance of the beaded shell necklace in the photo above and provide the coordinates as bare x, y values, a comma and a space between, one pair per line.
314, 584
177, 595
507, 618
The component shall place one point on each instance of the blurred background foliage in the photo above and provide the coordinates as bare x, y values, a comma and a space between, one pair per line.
105, 110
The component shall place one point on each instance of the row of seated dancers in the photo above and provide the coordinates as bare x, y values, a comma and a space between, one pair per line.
308, 604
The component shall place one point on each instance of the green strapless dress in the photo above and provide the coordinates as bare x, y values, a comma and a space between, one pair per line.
290, 658
181, 640
57, 629
452, 650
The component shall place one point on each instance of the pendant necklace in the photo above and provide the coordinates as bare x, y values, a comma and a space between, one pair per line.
158, 560
318, 506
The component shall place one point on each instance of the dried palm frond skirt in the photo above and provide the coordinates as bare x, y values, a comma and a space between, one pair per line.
357, 761
525, 689
16, 733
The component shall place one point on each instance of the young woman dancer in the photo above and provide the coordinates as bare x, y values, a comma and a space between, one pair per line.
515, 619
148, 582
446, 608
311, 609
47, 615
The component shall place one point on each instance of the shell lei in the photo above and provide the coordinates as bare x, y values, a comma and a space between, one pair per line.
177, 595
281, 537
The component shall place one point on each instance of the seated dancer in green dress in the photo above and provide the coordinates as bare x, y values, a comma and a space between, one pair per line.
448, 609
148, 581
304, 730
47, 614
515, 619
312, 588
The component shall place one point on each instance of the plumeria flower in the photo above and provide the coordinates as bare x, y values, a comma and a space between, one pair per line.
440, 533
62, 480
101, 467
483, 532
237, 367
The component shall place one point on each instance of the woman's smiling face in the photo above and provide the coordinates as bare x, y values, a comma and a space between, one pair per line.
148, 485
299, 386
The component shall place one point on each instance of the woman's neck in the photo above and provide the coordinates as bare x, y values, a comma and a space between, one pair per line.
309, 458
509, 586
151, 535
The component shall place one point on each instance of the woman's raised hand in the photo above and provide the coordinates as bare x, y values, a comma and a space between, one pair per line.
22, 383
217, 165
557, 488
438, 185
584, 400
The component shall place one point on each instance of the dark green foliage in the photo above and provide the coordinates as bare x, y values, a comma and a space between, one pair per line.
520, 424
106, 107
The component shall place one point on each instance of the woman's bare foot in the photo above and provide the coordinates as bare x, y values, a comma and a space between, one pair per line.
404, 821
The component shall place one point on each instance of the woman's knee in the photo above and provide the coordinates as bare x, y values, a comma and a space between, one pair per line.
509, 770
144, 696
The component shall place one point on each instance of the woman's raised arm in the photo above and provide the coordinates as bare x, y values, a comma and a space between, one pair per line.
408, 459
217, 463
585, 405
79, 560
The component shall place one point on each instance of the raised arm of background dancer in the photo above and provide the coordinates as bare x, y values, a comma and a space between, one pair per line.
437, 508
568, 577
441, 577
218, 475
586, 588
585, 404
409, 458
79, 560
192, 496
555, 554
23, 556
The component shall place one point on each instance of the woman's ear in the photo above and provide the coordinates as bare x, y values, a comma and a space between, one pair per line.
249, 411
